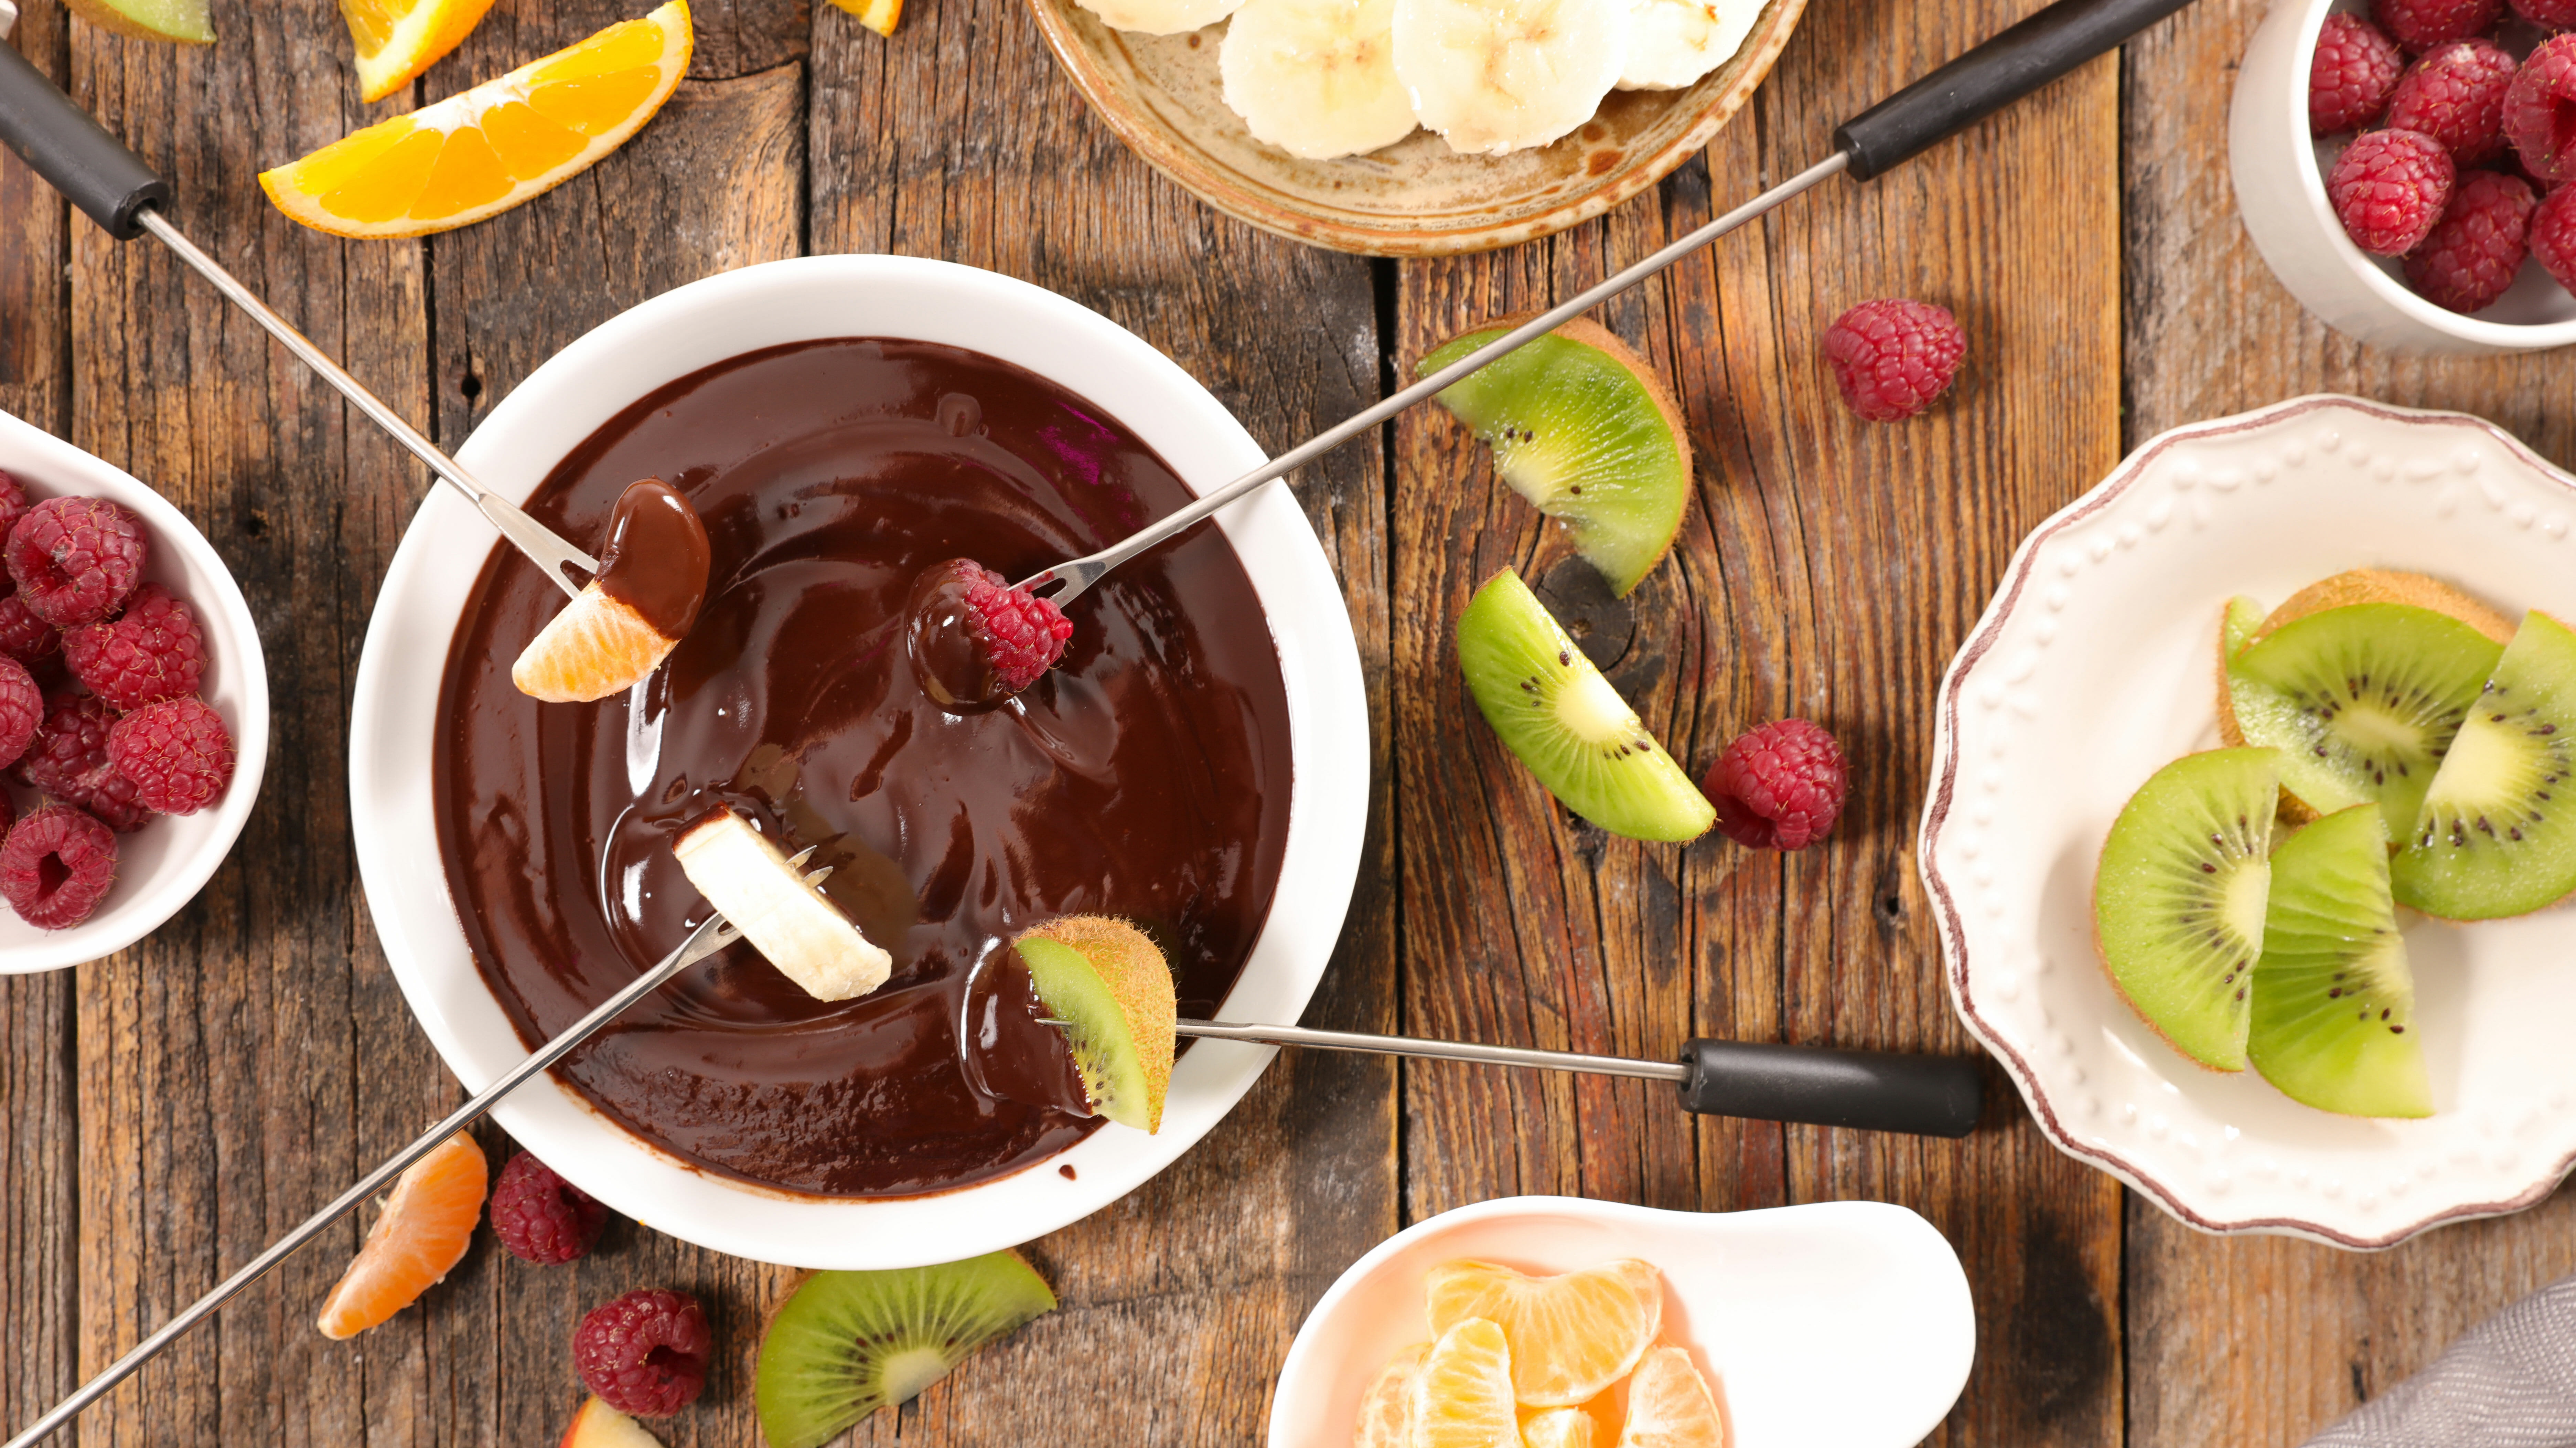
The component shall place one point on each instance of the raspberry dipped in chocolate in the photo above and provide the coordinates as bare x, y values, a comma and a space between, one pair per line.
75, 559
176, 755
2472, 255
542, 1218
153, 651
2389, 189
1893, 356
57, 864
2455, 95
974, 640
645, 1353
1779, 787
2354, 70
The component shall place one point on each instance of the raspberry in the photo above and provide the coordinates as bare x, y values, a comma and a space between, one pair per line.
153, 652
176, 753
645, 1353
23, 636
69, 761
2474, 251
75, 559
2419, 25
2355, 68
2548, 14
2390, 187
13, 503
1892, 357
2540, 110
22, 709
541, 1217
56, 867
1778, 787
2455, 95
2553, 236
1022, 635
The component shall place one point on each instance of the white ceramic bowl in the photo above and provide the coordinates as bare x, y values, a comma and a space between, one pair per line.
162, 866
2095, 666
2281, 190
696, 326
1833, 1325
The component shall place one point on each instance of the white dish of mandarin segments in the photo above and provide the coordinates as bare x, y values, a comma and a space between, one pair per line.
162, 866
669, 337
1832, 1325
2094, 666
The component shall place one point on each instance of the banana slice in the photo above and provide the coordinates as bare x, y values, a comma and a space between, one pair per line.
1504, 75
1161, 17
1672, 43
1316, 78
807, 937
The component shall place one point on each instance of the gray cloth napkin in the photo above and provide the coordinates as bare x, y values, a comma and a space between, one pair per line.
2509, 1382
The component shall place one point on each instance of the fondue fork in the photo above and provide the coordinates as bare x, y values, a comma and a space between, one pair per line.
2013, 63
125, 197
711, 936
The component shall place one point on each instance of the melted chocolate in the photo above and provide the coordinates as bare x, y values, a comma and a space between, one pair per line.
657, 557
1009, 1049
946, 658
1146, 776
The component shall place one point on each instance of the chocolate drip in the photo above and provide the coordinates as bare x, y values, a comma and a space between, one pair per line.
657, 557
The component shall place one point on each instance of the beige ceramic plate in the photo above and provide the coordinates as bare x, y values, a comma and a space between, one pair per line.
1160, 93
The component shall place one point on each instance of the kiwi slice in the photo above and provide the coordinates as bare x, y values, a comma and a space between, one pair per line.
2178, 901
1557, 715
2333, 999
848, 1343
2492, 839
1586, 430
1108, 983
2236, 627
2361, 701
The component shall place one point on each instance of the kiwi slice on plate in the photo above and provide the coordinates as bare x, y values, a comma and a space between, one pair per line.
2361, 701
1108, 983
848, 1343
2493, 838
1557, 715
1586, 430
2333, 999
2178, 901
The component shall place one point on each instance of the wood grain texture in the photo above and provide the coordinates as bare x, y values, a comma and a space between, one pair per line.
2262, 1341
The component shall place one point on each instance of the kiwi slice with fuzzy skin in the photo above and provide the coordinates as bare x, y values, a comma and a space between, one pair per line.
2361, 700
1588, 431
2385, 585
2333, 999
1557, 715
2493, 838
1110, 985
2178, 902
848, 1343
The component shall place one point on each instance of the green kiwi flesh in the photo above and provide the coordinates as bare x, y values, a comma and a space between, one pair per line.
2491, 839
2333, 999
2178, 902
1116, 1001
1558, 716
1583, 428
848, 1343
2361, 701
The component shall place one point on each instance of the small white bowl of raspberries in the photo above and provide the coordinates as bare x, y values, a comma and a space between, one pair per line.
2405, 167
133, 706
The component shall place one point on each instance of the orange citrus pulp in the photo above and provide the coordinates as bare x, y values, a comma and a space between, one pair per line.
398, 39
1670, 1406
1462, 1396
427, 1224
1572, 1336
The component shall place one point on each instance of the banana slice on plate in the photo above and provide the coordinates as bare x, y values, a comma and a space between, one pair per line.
1161, 17
1316, 78
1504, 75
1672, 43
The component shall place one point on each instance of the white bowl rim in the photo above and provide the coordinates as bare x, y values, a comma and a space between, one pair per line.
232, 641
1945, 781
727, 315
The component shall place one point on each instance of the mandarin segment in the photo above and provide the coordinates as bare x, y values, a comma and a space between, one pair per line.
595, 647
1462, 1397
1671, 1406
1386, 1409
398, 39
426, 1226
1572, 1335
1557, 1428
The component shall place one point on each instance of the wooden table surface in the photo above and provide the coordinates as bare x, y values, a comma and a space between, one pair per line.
167, 1112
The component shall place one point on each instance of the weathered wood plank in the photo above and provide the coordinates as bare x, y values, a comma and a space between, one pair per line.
2262, 1341
1828, 570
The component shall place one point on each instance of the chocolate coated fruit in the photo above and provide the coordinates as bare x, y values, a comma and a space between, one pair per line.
2333, 999
2494, 837
2178, 903
849, 1343
1110, 985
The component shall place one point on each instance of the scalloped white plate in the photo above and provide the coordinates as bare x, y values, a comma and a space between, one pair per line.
2092, 668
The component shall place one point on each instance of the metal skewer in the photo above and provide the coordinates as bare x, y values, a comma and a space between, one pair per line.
714, 935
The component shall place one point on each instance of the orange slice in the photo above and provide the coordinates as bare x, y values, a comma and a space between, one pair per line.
426, 1227
1557, 1428
596, 647
398, 39
1462, 1397
484, 151
1386, 1409
877, 15
1670, 1406
1572, 1336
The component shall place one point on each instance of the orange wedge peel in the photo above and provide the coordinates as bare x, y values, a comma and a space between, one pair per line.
398, 39
877, 15
483, 151
422, 1234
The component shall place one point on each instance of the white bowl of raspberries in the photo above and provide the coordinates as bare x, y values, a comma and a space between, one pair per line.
2404, 166
133, 706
